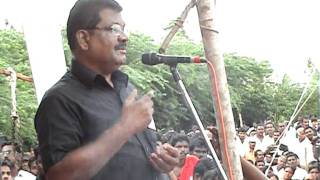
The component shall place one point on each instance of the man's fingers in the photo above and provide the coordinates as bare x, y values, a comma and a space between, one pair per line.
171, 150
160, 164
165, 158
146, 99
168, 159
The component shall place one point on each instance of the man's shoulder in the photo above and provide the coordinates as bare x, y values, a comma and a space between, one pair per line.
64, 86
65, 91
299, 173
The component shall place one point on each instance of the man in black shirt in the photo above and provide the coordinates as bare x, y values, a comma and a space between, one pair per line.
90, 124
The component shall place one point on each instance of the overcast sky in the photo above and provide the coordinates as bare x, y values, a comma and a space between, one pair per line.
285, 32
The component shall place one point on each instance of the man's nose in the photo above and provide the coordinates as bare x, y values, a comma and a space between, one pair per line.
123, 37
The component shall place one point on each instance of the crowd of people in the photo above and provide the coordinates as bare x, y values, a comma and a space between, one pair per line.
276, 151
292, 151
20, 164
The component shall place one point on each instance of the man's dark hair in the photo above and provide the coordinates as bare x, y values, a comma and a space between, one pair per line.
299, 126
292, 154
277, 131
309, 127
268, 122
314, 118
203, 165
256, 152
179, 138
293, 168
197, 142
259, 124
8, 163
242, 129
313, 165
7, 143
85, 15
255, 163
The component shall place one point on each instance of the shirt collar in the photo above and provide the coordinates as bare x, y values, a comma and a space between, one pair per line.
88, 77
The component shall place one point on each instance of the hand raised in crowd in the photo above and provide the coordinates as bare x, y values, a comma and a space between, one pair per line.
165, 158
137, 113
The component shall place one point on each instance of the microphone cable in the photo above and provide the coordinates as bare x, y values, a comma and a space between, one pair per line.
215, 92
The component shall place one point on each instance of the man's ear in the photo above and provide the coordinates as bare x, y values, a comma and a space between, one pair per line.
83, 37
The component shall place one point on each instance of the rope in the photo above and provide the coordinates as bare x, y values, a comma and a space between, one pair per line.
14, 115
293, 116
13, 85
215, 90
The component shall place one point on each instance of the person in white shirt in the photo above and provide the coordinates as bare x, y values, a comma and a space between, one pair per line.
242, 141
269, 128
280, 164
262, 141
292, 161
314, 123
302, 147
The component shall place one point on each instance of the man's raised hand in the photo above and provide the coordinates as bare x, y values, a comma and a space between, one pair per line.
137, 113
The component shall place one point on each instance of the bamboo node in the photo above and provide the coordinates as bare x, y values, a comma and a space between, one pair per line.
204, 20
209, 29
179, 23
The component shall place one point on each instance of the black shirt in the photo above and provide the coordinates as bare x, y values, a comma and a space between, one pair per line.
77, 109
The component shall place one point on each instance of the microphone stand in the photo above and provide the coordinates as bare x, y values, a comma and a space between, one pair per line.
176, 77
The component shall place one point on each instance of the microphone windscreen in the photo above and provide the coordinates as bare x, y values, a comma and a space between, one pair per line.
150, 59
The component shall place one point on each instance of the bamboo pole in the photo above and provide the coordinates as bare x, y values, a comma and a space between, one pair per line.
178, 24
230, 155
19, 75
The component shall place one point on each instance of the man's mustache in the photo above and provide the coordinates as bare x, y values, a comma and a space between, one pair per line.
121, 46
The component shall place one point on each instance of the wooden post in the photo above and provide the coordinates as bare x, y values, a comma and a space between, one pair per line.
230, 155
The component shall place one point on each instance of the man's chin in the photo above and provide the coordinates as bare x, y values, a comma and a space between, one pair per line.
182, 157
121, 61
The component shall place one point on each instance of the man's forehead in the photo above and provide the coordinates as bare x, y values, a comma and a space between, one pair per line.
282, 158
110, 17
182, 143
291, 158
301, 129
308, 130
5, 167
7, 147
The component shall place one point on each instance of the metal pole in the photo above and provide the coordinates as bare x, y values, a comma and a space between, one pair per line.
189, 103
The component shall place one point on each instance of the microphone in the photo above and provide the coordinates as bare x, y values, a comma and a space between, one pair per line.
154, 58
